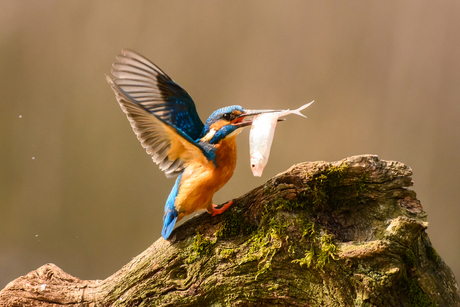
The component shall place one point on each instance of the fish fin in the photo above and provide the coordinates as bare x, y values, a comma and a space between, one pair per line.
297, 111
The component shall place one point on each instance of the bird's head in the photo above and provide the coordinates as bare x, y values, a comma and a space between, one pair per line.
226, 122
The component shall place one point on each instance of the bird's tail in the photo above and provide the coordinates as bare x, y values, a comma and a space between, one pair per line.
169, 220
171, 214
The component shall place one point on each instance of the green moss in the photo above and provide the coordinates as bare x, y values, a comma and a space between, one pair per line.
273, 287
308, 259
330, 178
360, 187
306, 227
262, 249
357, 191
416, 296
323, 187
291, 249
227, 253
376, 277
307, 230
282, 205
431, 253
266, 242
201, 246
410, 284
328, 251
277, 226
235, 223
327, 190
267, 190
409, 258
267, 238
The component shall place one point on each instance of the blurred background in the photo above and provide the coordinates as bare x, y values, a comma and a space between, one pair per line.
78, 190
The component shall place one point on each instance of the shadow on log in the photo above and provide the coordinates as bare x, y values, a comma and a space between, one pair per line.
347, 233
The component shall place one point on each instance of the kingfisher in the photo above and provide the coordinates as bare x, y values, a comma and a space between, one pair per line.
164, 118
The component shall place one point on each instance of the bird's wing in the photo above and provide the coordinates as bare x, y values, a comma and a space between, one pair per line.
169, 147
156, 92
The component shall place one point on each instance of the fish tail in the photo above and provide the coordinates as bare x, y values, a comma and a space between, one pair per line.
297, 111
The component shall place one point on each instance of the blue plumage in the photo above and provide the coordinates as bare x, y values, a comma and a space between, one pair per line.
165, 120
170, 216
222, 133
156, 92
217, 115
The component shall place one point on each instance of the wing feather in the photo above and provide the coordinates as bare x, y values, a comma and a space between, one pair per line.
156, 92
169, 147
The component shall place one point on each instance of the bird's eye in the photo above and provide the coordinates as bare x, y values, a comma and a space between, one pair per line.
227, 116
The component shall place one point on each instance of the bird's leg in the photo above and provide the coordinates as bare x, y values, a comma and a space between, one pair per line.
216, 211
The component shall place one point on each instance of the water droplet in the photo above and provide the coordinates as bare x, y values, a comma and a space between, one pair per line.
33, 158
20, 116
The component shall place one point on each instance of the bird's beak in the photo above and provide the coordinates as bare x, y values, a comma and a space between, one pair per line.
256, 112
238, 121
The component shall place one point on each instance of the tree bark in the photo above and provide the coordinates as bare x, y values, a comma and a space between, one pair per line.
346, 233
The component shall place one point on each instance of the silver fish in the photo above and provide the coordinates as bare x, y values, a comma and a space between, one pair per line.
261, 137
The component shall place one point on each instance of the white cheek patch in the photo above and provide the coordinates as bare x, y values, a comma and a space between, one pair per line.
208, 136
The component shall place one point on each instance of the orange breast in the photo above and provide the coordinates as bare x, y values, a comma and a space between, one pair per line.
201, 181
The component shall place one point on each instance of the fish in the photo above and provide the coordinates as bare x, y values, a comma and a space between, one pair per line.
261, 136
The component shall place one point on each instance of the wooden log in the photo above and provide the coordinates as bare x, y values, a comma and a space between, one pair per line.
346, 233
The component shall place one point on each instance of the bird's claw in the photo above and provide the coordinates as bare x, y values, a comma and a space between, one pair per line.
216, 211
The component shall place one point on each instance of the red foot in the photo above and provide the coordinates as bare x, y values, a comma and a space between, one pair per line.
221, 210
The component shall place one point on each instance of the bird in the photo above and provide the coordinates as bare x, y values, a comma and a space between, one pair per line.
165, 120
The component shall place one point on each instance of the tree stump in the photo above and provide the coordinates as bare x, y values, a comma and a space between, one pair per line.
346, 233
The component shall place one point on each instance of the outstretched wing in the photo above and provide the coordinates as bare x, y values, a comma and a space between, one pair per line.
170, 147
156, 92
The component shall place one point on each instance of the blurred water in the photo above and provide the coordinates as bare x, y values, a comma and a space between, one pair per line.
78, 190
